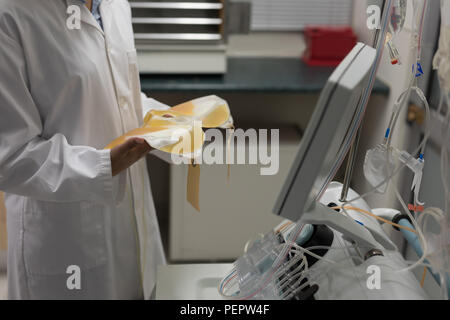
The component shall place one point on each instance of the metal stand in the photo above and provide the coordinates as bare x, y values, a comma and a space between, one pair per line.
377, 43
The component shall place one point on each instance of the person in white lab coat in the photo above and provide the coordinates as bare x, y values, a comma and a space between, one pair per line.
65, 93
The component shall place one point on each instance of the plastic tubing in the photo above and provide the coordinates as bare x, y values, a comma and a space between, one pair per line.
305, 234
296, 284
418, 230
300, 231
401, 105
306, 251
289, 265
387, 179
416, 45
364, 98
413, 240
291, 275
372, 215
222, 283
338, 264
277, 264
421, 24
394, 173
397, 170
306, 264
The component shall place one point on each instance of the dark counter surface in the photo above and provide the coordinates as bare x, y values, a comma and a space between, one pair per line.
253, 75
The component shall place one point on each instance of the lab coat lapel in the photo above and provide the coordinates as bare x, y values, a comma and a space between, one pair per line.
105, 12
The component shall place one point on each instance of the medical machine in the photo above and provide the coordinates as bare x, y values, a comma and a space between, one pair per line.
335, 250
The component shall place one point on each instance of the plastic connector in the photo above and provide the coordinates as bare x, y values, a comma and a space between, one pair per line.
416, 166
393, 53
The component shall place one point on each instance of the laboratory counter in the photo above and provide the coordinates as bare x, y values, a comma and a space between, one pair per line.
252, 75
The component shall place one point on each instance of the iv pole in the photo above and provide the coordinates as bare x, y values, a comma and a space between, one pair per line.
378, 41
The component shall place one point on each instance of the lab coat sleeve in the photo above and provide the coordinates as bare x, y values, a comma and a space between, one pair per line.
47, 169
149, 104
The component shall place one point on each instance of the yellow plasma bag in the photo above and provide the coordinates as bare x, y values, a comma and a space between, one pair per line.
179, 131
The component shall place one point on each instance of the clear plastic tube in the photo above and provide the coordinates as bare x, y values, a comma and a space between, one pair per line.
387, 179
292, 275
399, 106
363, 101
397, 109
397, 20
276, 265
418, 230
338, 264
312, 254
425, 264
420, 7
419, 17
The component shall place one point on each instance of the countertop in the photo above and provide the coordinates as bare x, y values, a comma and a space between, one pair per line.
252, 75
190, 281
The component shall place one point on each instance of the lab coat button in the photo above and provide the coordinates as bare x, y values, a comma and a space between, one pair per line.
123, 103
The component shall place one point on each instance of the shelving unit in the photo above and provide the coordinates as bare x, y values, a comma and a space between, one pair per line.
180, 37
178, 22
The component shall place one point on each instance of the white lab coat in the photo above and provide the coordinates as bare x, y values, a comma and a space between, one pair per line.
64, 95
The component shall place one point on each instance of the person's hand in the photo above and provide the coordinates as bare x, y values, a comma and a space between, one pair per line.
126, 154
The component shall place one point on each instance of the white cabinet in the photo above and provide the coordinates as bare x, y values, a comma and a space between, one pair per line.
232, 211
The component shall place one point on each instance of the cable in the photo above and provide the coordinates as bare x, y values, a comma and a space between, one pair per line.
375, 216
278, 262
419, 232
423, 276
284, 226
312, 254
225, 281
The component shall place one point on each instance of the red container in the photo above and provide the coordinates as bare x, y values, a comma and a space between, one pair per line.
328, 46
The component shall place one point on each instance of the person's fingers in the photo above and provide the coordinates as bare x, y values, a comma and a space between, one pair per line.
137, 153
126, 154
123, 148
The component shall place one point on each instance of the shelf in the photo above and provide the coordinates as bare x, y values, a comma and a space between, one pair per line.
177, 5
178, 36
185, 21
